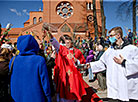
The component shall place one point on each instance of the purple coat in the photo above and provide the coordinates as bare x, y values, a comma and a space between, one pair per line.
90, 56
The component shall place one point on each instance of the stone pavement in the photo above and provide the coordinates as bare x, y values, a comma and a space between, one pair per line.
94, 85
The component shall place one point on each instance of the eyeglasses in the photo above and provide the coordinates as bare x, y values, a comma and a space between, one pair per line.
111, 35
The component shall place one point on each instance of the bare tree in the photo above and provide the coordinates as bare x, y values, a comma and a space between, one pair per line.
128, 8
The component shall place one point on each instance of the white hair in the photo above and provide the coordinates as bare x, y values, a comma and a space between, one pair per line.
7, 46
100, 47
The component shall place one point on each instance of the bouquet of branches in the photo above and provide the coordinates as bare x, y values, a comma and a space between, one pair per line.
5, 33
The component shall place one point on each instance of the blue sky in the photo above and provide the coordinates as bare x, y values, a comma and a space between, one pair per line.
112, 20
17, 12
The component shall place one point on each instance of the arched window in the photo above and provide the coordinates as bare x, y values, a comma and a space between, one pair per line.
65, 28
34, 20
89, 6
40, 19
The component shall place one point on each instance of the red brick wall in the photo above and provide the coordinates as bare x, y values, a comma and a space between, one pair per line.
49, 15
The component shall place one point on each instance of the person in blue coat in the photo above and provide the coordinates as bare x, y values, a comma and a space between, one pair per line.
29, 78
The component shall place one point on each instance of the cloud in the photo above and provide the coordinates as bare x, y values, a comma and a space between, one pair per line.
25, 12
15, 11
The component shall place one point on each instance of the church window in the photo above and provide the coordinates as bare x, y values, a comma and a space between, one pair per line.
69, 14
89, 6
71, 10
65, 28
65, 4
58, 10
40, 19
90, 18
61, 14
69, 6
65, 16
64, 9
34, 20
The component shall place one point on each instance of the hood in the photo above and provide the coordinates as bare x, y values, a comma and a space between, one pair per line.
27, 44
90, 52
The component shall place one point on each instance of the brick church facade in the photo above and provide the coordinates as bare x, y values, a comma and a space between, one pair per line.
64, 17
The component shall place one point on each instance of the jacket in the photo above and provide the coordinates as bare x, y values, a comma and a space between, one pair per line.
29, 79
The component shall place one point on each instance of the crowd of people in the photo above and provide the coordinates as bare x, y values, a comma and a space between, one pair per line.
32, 72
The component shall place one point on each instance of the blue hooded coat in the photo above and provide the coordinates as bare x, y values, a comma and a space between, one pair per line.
29, 79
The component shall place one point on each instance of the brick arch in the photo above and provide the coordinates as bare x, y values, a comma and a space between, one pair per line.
78, 36
40, 19
63, 24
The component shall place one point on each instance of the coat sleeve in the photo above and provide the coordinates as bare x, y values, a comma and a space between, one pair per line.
55, 43
45, 80
99, 65
80, 56
131, 64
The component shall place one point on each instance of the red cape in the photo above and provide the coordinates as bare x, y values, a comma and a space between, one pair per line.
68, 80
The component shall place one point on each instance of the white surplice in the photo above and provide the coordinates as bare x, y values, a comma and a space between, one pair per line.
122, 82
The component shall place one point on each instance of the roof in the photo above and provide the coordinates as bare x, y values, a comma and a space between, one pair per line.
27, 21
80, 27
57, 26
13, 30
30, 26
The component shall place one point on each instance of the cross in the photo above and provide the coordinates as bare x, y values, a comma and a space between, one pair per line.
69, 72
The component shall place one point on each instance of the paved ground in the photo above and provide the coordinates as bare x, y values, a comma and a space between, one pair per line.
101, 94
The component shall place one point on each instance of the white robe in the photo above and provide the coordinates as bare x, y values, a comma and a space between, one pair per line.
119, 86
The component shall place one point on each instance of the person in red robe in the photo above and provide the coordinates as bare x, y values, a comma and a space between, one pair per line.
70, 85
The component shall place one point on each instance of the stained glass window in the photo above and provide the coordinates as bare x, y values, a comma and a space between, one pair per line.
64, 9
